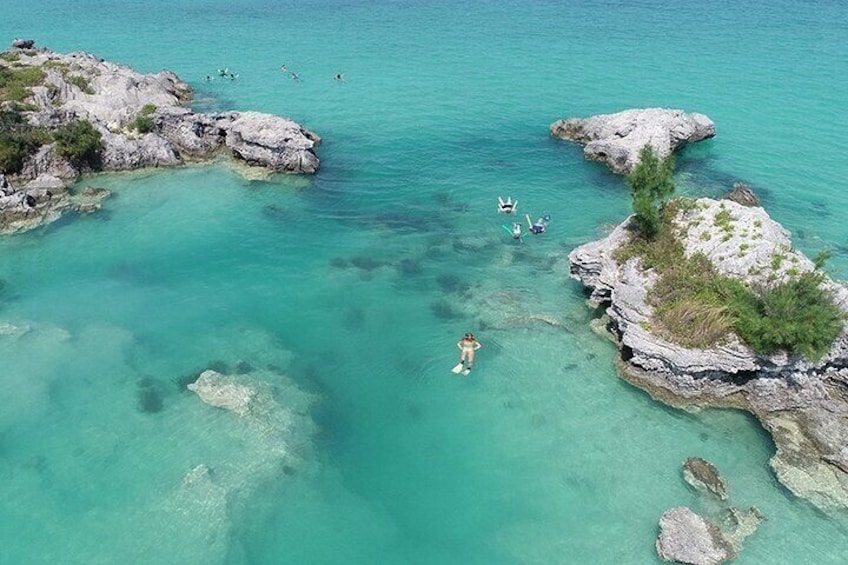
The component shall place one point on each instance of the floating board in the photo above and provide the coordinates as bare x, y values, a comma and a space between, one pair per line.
457, 369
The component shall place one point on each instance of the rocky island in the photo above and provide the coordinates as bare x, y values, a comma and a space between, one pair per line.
616, 139
62, 115
742, 256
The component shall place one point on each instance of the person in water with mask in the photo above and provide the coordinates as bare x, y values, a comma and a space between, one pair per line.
507, 206
468, 345
539, 226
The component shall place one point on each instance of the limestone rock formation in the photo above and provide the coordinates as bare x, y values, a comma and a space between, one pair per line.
704, 477
803, 404
687, 537
618, 138
742, 194
142, 122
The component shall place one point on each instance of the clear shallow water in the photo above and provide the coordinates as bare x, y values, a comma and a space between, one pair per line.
357, 283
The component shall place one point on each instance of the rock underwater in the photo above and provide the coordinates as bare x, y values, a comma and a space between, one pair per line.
142, 121
803, 404
617, 139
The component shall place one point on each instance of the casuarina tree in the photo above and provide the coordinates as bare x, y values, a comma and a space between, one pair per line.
651, 185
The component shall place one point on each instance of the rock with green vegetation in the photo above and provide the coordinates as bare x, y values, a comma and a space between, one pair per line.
721, 310
617, 139
62, 115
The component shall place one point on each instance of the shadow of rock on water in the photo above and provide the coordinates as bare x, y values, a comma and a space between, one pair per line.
150, 395
444, 310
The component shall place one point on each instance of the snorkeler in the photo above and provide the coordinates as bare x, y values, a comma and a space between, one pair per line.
295, 76
338, 77
507, 206
209, 78
284, 68
467, 346
539, 226
223, 72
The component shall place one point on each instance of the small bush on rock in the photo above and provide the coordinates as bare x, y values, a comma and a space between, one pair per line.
80, 143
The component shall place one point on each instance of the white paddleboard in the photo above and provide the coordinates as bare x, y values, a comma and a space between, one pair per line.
457, 369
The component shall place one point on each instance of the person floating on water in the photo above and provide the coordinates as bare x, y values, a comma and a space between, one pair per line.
468, 345
515, 231
507, 206
284, 68
539, 226
295, 76
209, 78
223, 72
338, 77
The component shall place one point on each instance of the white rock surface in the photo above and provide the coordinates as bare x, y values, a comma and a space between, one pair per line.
618, 138
686, 537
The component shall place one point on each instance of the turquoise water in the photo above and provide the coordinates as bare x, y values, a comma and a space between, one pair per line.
357, 283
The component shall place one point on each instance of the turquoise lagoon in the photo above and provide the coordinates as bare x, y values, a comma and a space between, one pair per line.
356, 284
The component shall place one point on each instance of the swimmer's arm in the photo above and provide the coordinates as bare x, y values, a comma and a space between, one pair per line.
477, 345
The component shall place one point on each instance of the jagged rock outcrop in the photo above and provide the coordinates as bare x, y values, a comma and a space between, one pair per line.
686, 537
80, 86
742, 194
618, 138
803, 404
704, 477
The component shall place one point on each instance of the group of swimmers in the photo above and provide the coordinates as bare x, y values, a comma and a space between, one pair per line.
226, 74
223, 73
338, 77
510, 206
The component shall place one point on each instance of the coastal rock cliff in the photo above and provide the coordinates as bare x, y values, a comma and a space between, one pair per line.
141, 121
803, 404
616, 139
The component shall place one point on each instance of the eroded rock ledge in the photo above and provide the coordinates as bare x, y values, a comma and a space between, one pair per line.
616, 139
803, 405
80, 86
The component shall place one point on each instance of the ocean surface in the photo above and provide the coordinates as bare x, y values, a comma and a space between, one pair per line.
348, 290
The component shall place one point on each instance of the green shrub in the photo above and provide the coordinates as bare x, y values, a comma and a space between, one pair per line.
798, 315
80, 82
148, 109
651, 184
16, 84
80, 143
18, 140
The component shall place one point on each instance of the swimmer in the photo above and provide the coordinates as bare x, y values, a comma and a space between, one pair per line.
209, 78
467, 346
338, 77
516, 231
539, 226
507, 206
223, 72
284, 68
295, 76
